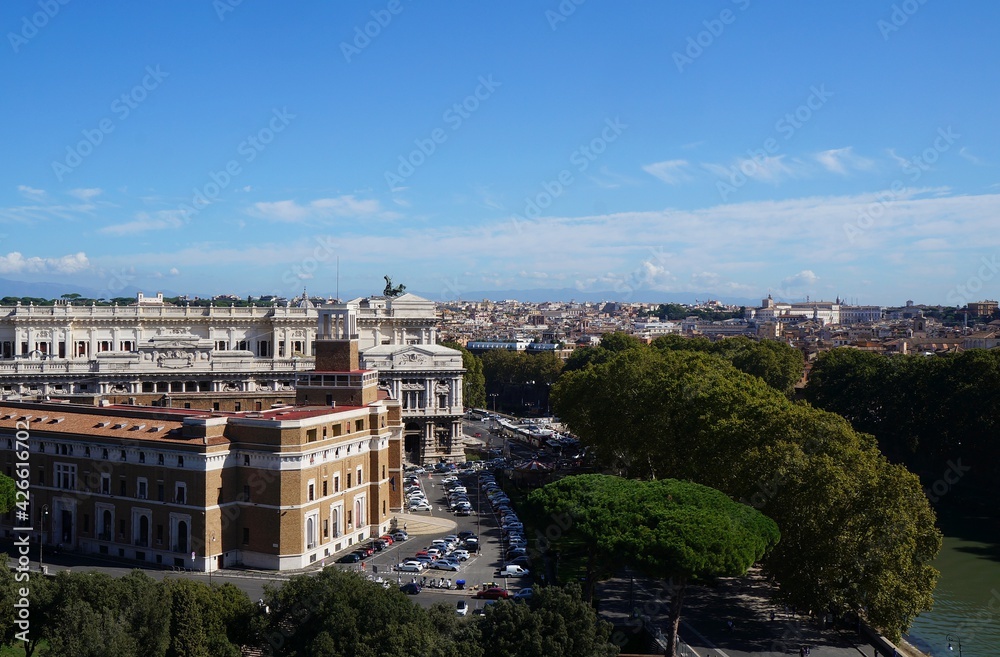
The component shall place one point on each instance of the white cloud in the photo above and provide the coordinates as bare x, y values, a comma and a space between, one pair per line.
772, 169
144, 221
346, 206
804, 279
15, 263
964, 152
843, 160
671, 172
85, 194
31, 192
174, 271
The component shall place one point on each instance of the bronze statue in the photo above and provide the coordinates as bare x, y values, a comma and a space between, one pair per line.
391, 291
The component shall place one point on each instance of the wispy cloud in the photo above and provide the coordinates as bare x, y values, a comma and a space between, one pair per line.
672, 172
978, 161
804, 279
15, 263
346, 206
843, 161
31, 192
772, 168
145, 221
85, 194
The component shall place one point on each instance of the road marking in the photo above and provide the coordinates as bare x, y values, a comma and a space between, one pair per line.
711, 646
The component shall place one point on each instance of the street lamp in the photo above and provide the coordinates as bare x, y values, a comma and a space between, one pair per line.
41, 536
211, 558
957, 640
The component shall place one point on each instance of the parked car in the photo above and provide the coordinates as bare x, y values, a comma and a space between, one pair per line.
400, 536
412, 588
409, 568
460, 554
492, 594
524, 594
445, 564
523, 560
462, 608
512, 571
513, 553
465, 533
350, 558
387, 539
420, 506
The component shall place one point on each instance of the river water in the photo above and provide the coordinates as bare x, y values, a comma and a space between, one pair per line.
967, 598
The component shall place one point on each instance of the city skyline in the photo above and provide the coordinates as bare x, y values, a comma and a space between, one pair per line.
643, 151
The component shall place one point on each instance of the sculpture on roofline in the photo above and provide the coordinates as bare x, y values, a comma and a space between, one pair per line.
391, 291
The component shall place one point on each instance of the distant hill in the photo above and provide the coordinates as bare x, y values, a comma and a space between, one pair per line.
571, 294
46, 290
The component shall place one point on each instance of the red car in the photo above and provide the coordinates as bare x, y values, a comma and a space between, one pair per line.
493, 594
388, 539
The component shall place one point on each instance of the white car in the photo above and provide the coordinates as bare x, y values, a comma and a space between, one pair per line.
420, 506
462, 608
461, 555
414, 562
512, 571
409, 568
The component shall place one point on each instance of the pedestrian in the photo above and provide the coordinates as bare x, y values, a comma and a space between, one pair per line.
772, 615
802, 651
404, 526
729, 624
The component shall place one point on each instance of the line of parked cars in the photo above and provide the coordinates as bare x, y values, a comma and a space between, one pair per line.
366, 550
416, 499
514, 544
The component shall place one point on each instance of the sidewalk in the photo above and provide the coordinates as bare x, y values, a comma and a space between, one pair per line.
706, 612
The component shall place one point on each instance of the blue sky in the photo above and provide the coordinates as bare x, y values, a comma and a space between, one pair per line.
645, 149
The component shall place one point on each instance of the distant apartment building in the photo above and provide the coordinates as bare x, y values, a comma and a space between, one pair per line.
982, 308
277, 489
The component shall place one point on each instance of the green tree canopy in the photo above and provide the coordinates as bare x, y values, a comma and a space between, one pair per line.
655, 413
667, 529
556, 622
473, 381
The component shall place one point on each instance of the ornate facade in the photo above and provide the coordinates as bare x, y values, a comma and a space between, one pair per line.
236, 359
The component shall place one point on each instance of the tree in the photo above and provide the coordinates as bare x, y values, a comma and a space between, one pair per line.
341, 613
556, 622
7, 493
667, 528
655, 413
473, 381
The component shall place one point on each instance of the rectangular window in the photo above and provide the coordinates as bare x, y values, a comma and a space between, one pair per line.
159, 491
122, 487
336, 484
359, 425
312, 492
105, 483
121, 528
246, 536
246, 493
180, 494
359, 476
86, 522
325, 493
326, 528
141, 491
159, 534
65, 476
311, 435
348, 479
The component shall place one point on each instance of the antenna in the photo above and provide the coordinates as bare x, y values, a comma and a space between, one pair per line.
338, 279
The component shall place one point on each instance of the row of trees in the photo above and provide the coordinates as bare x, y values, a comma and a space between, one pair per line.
933, 414
519, 379
858, 533
666, 529
332, 614
675, 311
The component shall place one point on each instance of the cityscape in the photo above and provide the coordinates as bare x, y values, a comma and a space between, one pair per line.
566, 329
